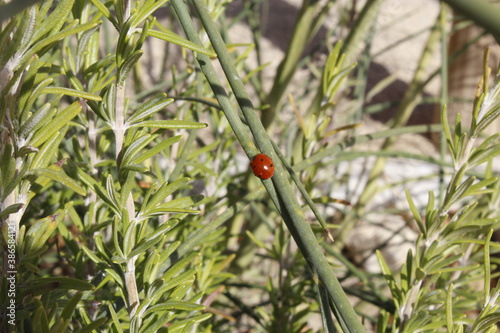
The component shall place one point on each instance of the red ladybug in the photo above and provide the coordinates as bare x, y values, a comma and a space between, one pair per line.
262, 166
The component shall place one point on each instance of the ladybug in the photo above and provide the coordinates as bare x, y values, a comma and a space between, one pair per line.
262, 166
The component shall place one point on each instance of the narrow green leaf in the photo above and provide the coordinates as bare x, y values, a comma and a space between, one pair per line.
487, 267
72, 92
430, 326
451, 189
488, 118
440, 264
14, 208
55, 38
430, 212
34, 94
170, 124
128, 65
70, 307
144, 246
256, 240
60, 177
37, 119
152, 265
182, 202
461, 191
144, 33
116, 321
162, 211
164, 191
93, 184
134, 168
22, 38
104, 10
147, 8
116, 277
103, 250
480, 187
461, 144
178, 266
55, 20
148, 108
458, 130
126, 188
110, 190
156, 149
137, 145
190, 321
485, 322
129, 238
360, 139
90, 328
477, 105
449, 309
408, 270
163, 229
335, 84
180, 291
40, 232
415, 212
167, 252
59, 121
7, 169
40, 320
62, 282
91, 255
109, 107
171, 37
389, 279
117, 227
46, 153
8, 31
481, 156
185, 277
124, 45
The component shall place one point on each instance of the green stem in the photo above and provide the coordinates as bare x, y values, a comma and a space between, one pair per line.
286, 202
483, 13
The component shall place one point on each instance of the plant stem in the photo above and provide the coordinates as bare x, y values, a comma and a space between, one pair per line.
483, 13
286, 203
119, 130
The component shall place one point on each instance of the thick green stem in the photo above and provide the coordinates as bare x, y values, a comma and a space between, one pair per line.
483, 13
286, 202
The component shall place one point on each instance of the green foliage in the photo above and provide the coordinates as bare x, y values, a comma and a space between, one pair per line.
105, 169
128, 206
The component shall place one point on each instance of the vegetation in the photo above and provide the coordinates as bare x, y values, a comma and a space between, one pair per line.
127, 203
